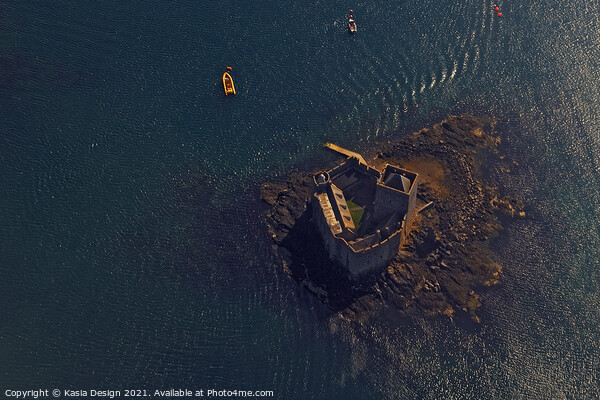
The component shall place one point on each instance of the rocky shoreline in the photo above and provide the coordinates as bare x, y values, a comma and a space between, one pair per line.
445, 259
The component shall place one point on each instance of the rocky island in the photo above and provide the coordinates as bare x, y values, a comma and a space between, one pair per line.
406, 229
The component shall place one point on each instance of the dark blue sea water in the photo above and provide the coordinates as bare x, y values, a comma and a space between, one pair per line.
132, 248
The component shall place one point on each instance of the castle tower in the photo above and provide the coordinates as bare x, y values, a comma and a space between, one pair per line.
396, 191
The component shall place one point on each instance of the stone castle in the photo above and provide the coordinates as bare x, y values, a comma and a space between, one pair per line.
362, 213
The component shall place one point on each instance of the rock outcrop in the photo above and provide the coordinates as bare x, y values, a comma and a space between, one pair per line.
445, 258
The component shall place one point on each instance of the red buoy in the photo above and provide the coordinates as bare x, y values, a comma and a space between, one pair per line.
499, 14
497, 9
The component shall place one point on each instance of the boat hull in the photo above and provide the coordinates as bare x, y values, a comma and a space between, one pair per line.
228, 84
352, 26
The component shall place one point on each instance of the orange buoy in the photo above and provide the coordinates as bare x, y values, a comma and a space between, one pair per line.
229, 68
499, 14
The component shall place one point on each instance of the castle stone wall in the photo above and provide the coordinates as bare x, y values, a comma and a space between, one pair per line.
357, 262
388, 201
412, 199
373, 259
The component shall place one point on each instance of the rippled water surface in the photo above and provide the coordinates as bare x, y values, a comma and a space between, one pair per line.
133, 252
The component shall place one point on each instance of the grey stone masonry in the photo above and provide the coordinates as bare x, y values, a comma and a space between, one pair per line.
383, 202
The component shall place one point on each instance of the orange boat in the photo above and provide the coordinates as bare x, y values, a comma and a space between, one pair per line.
228, 84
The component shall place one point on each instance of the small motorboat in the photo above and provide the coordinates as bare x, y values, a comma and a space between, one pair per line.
352, 23
228, 83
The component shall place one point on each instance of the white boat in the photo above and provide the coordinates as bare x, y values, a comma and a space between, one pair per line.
352, 23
